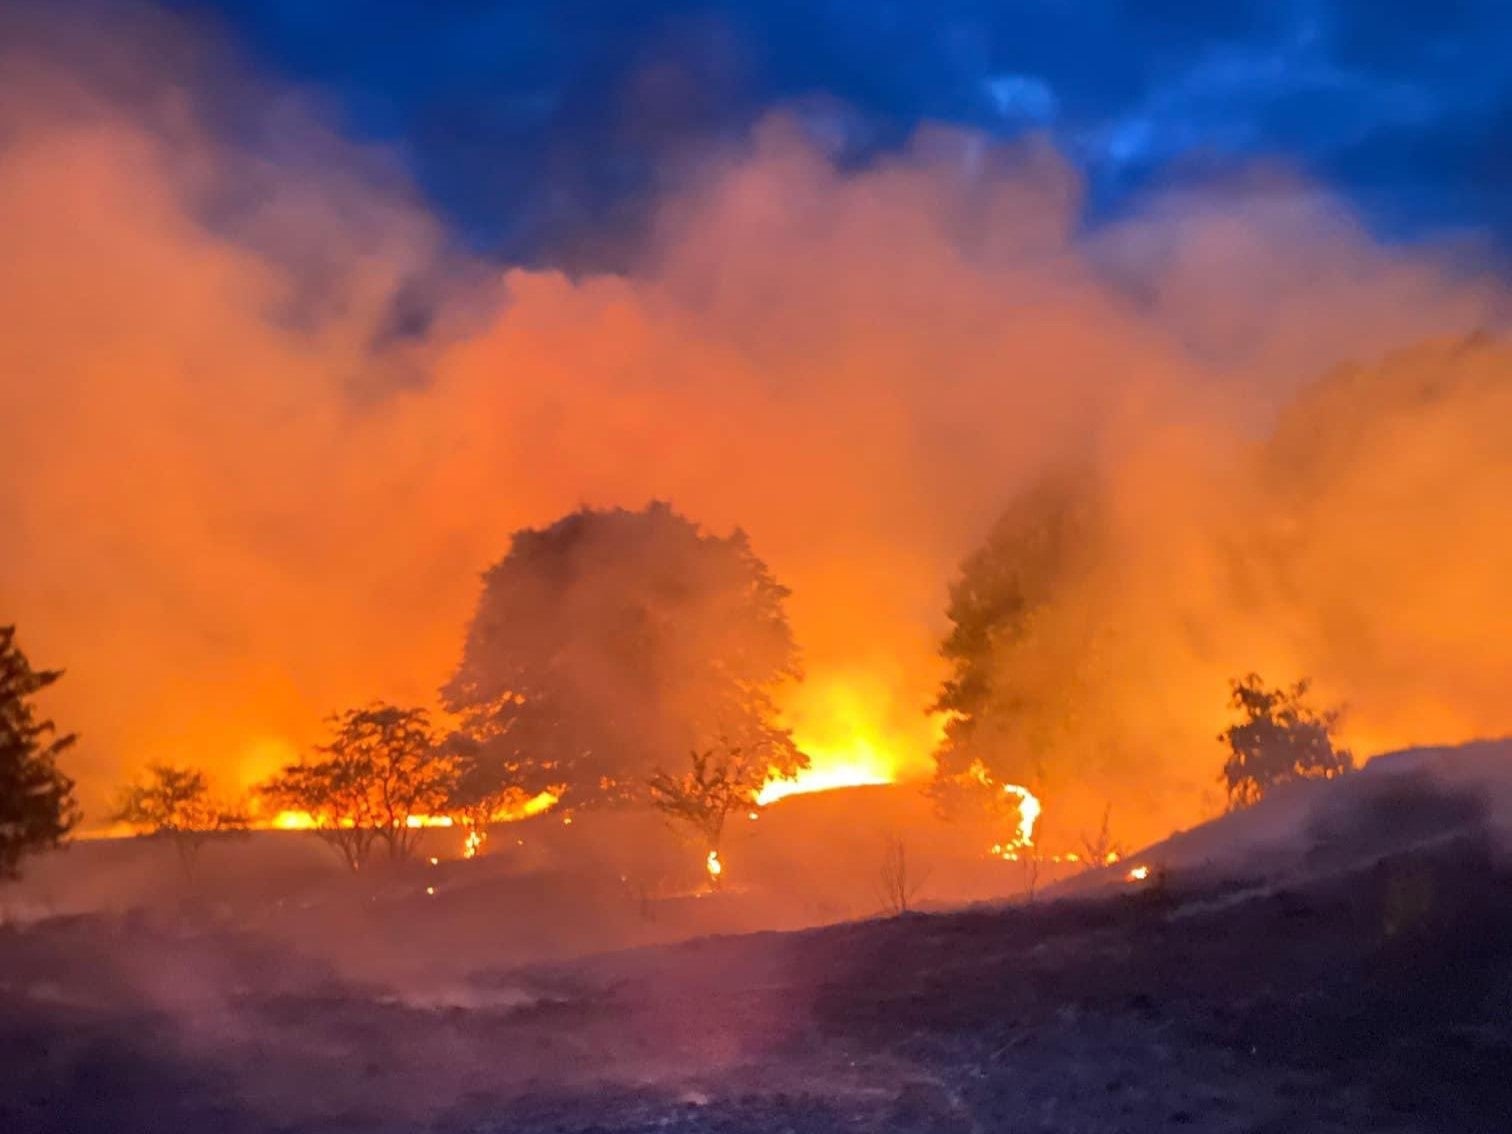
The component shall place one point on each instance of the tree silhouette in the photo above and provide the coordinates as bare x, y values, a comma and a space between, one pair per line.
899, 881
1280, 739
718, 783
382, 769
1003, 714
176, 804
37, 807
1101, 849
610, 638
336, 795
483, 788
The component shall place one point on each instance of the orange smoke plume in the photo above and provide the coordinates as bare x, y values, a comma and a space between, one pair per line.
239, 501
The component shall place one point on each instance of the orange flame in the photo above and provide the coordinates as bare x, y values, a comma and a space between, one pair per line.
840, 721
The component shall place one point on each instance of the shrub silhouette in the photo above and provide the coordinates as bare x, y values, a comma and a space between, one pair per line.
1280, 739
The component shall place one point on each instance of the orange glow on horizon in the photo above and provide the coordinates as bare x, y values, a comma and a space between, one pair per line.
832, 769
844, 724
749, 337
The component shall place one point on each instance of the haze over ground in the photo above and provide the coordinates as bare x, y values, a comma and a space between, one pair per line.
290, 353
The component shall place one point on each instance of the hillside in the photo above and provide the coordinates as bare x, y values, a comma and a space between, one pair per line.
1368, 985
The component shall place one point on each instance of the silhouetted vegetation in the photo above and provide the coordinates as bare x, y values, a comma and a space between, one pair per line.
382, 770
900, 879
37, 807
177, 804
1000, 717
484, 788
1281, 738
611, 638
975, 794
718, 783
1102, 848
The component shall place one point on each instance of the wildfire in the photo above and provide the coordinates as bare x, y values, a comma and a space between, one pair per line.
534, 805
1029, 812
1138, 874
472, 844
1025, 803
304, 821
838, 724
714, 867
865, 767
511, 812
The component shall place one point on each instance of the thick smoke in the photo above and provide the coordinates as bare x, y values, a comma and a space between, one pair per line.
257, 453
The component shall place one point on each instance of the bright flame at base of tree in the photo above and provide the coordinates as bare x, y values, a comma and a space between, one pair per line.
714, 867
511, 812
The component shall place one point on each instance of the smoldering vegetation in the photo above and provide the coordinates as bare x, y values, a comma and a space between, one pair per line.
1364, 988
542, 888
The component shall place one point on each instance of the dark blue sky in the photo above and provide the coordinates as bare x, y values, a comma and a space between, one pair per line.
542, 128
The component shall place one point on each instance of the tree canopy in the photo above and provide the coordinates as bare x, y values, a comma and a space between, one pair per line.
177, 804
718, 783
1280, 739
382, 767
37, 807
1011, 690
612, 638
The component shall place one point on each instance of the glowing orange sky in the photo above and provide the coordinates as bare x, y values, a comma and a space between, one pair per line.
231, 516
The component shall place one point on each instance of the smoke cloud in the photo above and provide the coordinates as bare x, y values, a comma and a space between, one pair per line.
265, 426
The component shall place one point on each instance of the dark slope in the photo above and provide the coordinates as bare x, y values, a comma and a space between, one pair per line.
1374, 993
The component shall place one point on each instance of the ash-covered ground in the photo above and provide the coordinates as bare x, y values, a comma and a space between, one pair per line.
1364, 985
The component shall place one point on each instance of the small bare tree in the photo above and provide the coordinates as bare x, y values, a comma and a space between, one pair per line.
176, 804
1101, 849
900, 881
718, 783
1033, 859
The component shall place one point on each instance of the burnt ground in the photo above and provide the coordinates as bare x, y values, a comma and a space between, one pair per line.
1377, 997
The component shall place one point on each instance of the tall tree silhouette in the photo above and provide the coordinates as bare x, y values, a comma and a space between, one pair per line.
611, 638
37, 807
1005, 706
